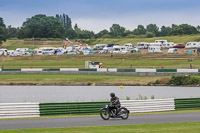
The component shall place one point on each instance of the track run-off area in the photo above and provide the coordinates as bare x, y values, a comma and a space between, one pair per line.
97, 121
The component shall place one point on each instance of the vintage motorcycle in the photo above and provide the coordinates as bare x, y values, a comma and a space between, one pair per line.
106, 113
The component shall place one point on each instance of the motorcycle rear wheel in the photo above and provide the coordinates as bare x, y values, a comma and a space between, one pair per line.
124, 113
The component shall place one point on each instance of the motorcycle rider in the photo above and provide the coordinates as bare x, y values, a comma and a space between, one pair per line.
114, 102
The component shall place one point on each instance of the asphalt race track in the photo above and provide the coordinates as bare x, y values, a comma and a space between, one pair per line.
97, 121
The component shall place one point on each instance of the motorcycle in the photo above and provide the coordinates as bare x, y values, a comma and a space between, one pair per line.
106, 113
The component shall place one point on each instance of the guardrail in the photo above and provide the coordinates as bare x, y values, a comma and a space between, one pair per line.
19, 110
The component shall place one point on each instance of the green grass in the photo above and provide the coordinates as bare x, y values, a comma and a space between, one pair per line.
193, 127
118, 61
176, 39
59, 79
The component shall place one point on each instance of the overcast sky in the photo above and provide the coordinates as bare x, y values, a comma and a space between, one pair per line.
97, 15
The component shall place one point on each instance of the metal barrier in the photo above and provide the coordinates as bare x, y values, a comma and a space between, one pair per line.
19, 110
187, 103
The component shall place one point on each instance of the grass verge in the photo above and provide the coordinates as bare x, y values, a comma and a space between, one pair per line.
63, 79
193, 127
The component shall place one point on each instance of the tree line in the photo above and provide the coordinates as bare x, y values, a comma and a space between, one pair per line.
60, 26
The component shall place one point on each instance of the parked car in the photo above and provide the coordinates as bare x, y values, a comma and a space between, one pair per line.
179, 46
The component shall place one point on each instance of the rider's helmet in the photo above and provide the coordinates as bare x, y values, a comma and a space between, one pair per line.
112, 94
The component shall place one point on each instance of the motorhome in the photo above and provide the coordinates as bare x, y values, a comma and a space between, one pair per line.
48, 50
193, 45
155, 49
99, 46
142, 45
3, 52
165, 43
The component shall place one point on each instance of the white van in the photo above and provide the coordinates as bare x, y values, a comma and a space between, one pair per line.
155, 49
172, 51
193, 45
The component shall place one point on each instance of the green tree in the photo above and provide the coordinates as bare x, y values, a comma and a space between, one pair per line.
2, 31
165, 31
102, 33
153, 28
117, 31
198, 28
183, 29
140, 30
67, 23
42, 26
11, 32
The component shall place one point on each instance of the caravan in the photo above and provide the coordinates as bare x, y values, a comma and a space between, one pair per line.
193, 45
48, 50
3, 52
142, 45
155, 49
120, 50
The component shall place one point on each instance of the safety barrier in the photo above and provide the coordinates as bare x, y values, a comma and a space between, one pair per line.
19, 110
71, 108
149, 105
107, 70
31, 70
187, 103
69, 69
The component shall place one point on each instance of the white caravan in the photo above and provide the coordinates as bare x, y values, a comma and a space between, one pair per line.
142, 45
21, 50
165, 43
155, 49
3, 52
11, 52
48, 50
120, 50
193, 45
99, 46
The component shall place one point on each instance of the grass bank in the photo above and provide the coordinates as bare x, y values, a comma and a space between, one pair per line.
118, 61
176, 39
63, 79
193, 127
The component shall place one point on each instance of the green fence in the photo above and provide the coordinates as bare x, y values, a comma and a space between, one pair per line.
88, 69
71, 108
187, 103
51, 69
166, 70
125, 70
11, 69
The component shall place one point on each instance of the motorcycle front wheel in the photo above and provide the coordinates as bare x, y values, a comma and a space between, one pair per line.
124, 113
104, 114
